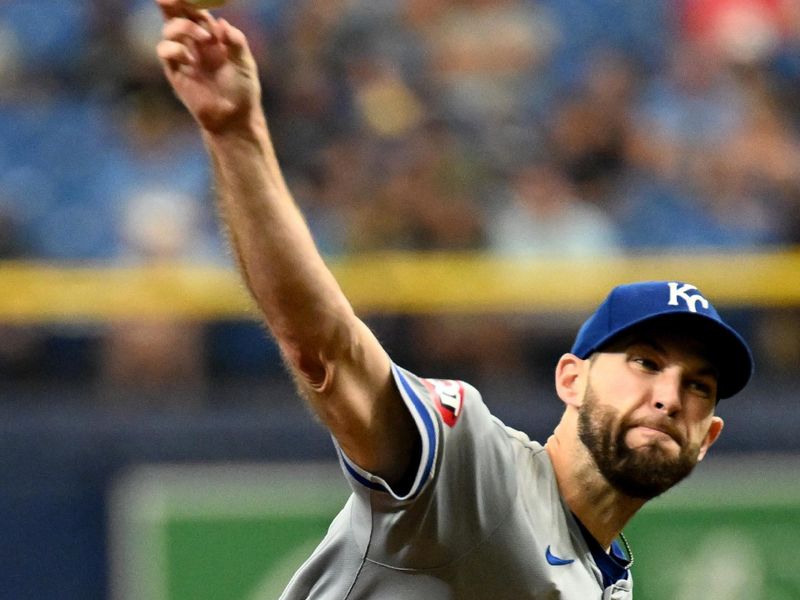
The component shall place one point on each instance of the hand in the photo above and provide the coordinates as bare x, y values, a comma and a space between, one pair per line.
209, 65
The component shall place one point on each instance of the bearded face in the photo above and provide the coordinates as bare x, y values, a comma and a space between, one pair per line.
643, 472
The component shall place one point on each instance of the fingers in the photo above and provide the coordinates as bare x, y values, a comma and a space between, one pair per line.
233, 38
178, 9
183, 38
193, 37
178, 48
175, 54
181, 29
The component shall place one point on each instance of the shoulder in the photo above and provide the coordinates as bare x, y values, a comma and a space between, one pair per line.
458, 406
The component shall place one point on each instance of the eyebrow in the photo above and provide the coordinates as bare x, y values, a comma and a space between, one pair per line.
708, 368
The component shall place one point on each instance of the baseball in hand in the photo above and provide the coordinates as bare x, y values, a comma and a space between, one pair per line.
207, 3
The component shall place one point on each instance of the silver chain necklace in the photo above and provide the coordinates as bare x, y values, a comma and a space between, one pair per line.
628, 550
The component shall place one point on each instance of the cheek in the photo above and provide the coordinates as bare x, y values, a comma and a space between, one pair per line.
700, 432
620, 388
699, 418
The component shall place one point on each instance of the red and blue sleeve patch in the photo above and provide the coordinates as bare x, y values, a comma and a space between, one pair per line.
448, 397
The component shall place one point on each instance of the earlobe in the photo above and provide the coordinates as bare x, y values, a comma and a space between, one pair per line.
569, 384
714, 430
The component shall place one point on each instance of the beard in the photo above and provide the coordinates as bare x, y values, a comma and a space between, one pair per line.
644, 472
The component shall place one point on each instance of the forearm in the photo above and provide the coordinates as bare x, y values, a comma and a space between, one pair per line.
342, 367
301, 301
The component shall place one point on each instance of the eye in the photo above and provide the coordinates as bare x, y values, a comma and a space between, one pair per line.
702, 388
648, 364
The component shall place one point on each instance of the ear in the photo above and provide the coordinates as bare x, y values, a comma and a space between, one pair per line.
570, 383
713, 433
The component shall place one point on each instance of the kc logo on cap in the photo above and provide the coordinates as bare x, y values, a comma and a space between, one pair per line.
676, 292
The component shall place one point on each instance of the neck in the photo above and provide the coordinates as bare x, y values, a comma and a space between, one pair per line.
602, 509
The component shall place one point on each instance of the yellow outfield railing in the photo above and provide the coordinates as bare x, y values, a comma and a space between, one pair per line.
390, 283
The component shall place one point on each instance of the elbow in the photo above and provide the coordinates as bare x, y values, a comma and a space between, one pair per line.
307, 364
312, 357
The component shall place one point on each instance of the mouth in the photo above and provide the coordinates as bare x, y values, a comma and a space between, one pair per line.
655, 432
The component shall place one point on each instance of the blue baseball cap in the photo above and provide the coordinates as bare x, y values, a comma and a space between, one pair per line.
631, 305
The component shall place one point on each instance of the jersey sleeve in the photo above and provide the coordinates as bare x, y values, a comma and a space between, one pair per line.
422, 409
464, 481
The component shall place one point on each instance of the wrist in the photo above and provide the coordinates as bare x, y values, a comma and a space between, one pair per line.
237, 144
251, 127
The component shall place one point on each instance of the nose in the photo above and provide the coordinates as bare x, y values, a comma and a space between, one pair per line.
667, 392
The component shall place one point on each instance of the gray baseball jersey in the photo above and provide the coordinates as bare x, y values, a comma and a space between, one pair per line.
483, 518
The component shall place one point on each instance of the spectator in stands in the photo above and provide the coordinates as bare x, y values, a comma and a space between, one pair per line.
545, 217
422, 198
156, 352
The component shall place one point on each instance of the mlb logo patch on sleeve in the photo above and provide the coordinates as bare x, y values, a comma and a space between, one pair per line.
448, 397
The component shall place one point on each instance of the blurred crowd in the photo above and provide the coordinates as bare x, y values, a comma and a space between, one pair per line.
523, 127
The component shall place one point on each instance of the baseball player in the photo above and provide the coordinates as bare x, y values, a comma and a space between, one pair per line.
447, 502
